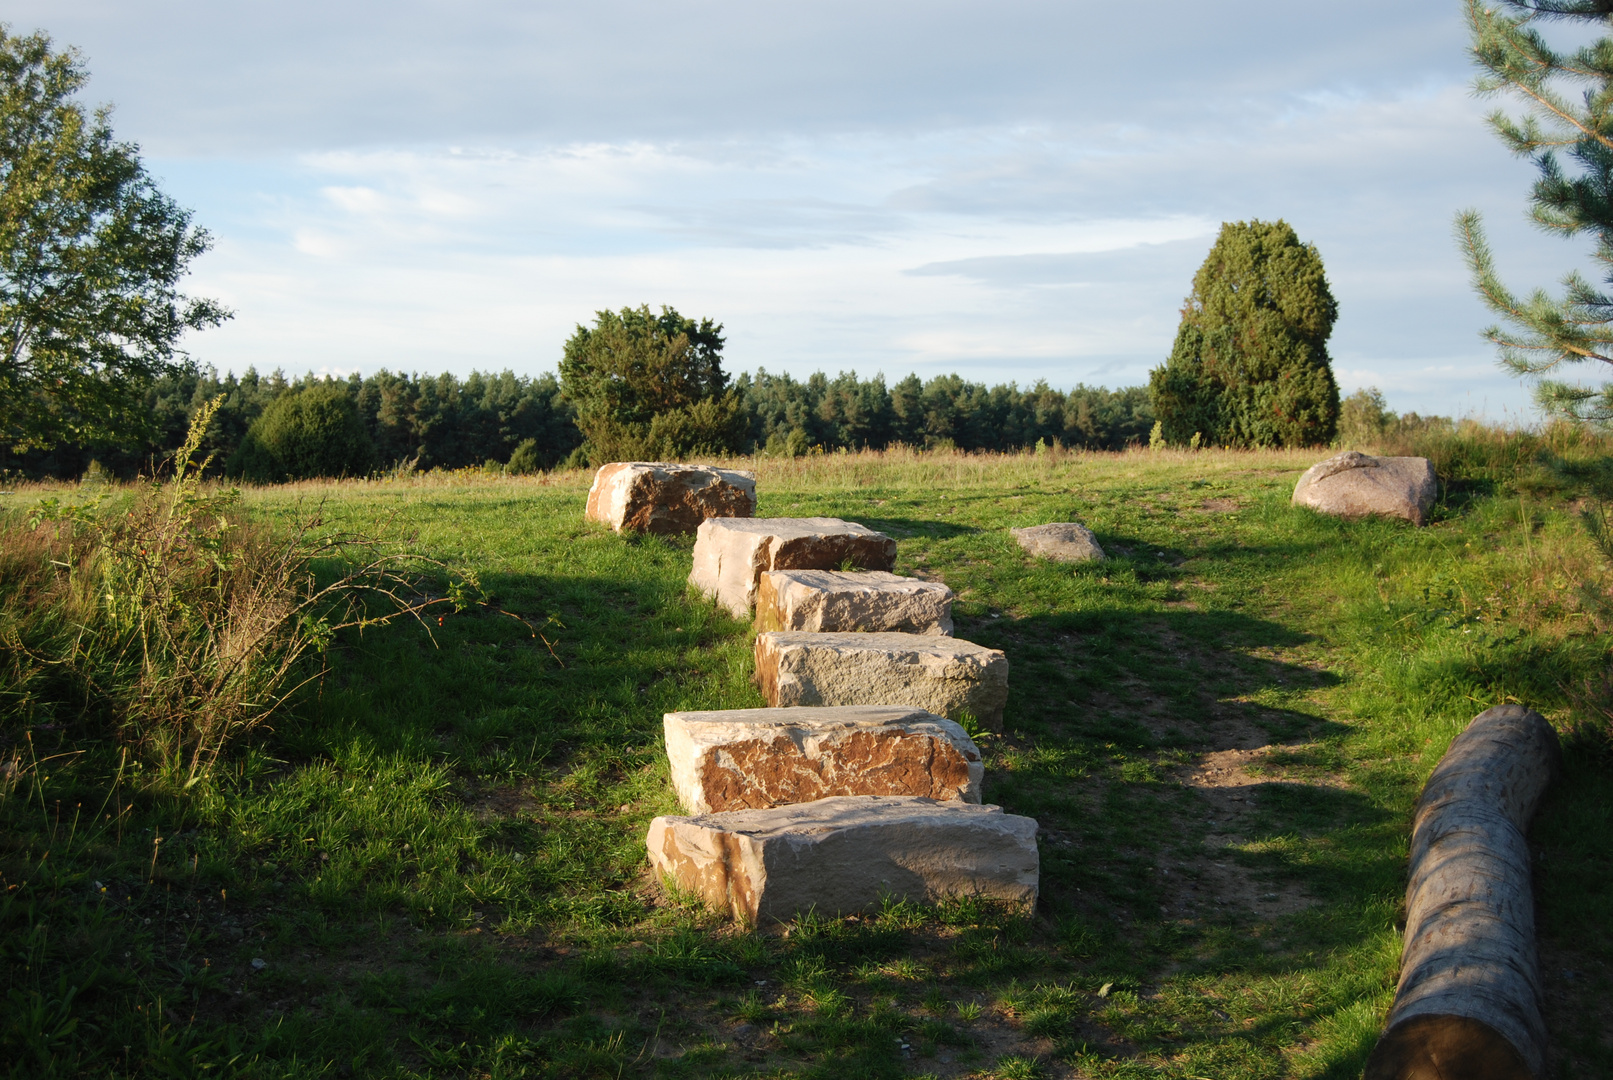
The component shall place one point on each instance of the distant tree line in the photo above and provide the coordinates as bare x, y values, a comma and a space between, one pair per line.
449, 422
441, 421
787, 415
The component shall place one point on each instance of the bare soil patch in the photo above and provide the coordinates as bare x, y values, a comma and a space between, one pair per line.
1228, 790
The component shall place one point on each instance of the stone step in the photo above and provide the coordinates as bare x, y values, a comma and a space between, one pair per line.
944, 675
731, 554
826, 601
738, 759
846, 854
659, 497
1060, 541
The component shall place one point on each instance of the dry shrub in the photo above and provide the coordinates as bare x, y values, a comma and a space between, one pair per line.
170, 621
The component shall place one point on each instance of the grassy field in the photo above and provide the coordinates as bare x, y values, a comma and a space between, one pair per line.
434, 865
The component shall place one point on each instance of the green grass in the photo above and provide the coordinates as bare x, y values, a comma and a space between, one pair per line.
438, 855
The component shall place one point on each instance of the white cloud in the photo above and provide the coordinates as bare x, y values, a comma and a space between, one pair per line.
1014, 191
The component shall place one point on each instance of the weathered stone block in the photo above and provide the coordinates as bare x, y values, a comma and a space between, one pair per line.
846, 854
731, 555
944, 675
1353, 484
1061, 541
825, 601
655, 497
739, 759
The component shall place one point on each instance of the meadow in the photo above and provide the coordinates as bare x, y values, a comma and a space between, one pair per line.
433, 865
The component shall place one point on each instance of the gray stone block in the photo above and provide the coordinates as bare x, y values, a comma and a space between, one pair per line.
943, 675
826, 601
846, 854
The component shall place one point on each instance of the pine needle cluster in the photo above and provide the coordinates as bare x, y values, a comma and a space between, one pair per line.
1566, 132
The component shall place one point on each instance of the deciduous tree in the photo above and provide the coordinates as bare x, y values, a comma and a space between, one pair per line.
91, 254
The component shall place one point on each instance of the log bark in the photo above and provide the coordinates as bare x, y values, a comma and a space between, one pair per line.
1468, 1002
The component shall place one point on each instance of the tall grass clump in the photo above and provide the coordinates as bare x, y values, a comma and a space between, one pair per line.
166, 620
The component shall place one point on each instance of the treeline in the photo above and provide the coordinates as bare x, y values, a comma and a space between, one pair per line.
947, 411
426, 422
448, 422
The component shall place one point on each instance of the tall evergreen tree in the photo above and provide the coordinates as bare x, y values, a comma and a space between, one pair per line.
1568, 113
1250, 364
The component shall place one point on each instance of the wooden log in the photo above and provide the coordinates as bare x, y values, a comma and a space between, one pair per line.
1468, 1002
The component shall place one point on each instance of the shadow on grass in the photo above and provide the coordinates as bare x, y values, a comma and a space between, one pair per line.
910, 527
1179, 678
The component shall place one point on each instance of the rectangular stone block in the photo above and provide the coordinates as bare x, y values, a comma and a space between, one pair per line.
731, 555
944, 675
846, 854
748, 759
656, 497
827, 601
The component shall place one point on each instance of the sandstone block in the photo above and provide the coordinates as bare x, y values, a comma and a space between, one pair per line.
1061, 541
846, 854
739, 759
944, 675
655, 497
1353, 485
731, 555
825, 601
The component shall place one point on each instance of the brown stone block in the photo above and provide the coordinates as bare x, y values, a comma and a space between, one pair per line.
735, 759
731, 555
656, 497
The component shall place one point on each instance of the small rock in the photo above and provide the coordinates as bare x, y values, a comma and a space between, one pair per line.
1060, 541
1353, 485
258, 964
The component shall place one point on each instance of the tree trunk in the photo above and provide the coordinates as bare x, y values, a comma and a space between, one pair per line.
1468, 1003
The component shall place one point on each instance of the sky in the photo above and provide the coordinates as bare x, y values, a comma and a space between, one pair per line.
1012, 191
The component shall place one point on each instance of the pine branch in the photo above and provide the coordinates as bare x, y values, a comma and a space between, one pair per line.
1549, 332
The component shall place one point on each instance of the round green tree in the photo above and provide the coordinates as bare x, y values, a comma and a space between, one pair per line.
1250, 364
312, 432
648, 386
